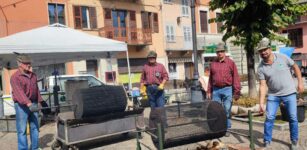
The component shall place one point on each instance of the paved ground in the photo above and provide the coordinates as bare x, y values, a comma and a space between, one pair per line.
281, 140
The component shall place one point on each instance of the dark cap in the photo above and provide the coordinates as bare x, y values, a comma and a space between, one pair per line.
23, 58
152, 54
220, 47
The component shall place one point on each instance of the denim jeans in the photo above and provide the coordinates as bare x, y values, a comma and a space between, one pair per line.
23, 115
271, 109
155, 96
224, 97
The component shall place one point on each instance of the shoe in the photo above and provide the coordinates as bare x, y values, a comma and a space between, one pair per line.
227, 134
267, 144
294, 145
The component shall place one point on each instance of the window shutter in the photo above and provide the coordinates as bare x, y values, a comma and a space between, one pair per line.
168, 34
145, 22
93, 17
77, 17
172, 33
156, 23
203, 22
108, 17
132, 21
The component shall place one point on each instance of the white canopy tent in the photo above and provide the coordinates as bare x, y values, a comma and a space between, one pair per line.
56, 44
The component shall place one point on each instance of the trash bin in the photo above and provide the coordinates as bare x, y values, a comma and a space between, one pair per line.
300, 113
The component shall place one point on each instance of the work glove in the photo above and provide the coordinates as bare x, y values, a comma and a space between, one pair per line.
161, 87
33, 108
143, 90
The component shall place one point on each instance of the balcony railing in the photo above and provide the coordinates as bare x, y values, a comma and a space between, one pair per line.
133, 36
178, 43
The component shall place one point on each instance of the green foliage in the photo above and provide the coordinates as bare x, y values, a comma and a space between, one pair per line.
251, 20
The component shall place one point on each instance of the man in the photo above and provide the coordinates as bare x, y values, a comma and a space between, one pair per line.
154, 77
26, 96
224, 82
274, 73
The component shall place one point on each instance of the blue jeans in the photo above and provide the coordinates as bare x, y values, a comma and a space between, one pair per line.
23, 115
271, 109
155, 96
224, 97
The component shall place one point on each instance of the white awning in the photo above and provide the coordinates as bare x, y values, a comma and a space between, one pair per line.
56, 44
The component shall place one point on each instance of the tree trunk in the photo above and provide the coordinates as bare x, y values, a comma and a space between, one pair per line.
252, 89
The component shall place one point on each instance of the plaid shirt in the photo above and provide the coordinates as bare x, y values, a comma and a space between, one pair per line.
24, 88
153, 74
224, 74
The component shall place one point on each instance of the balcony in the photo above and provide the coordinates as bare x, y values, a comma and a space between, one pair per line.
132, 36
178, 43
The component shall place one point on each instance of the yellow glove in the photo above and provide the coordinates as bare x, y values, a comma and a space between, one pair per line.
161, 87
143, 90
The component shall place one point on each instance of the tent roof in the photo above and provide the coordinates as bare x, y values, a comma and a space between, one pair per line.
57, 44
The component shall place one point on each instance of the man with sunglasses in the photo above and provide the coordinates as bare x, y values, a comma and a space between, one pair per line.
26, 97
154, 77
224, 81
276, 80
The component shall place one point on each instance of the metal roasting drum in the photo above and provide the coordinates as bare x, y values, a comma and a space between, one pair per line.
99, 100
188, 123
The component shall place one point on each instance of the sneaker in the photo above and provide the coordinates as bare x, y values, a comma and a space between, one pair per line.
267, 144
294, 145
227, 134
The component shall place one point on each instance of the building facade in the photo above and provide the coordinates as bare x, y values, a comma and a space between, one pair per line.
136, 22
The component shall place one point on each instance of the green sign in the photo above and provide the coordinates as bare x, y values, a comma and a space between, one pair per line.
209, 48
274, 47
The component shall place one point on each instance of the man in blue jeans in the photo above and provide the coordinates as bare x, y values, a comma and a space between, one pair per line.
26, 97
154, 77
274, 73
224, 81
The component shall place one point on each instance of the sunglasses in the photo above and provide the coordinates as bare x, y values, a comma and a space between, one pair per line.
220, 52
26, 63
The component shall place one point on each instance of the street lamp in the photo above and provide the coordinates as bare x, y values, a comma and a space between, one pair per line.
196, 95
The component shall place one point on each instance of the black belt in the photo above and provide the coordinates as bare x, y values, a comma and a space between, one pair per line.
152, 85
222, 86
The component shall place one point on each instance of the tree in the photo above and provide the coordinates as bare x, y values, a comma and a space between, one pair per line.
248, 21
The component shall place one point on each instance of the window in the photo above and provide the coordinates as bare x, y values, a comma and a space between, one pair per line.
150, 21
85, 17
185, 7
167, 1
110, 76
170, 33
187, 34
203, 21
296, 37
219, 24
56, 13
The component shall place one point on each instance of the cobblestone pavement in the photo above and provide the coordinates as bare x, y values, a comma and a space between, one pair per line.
8, 141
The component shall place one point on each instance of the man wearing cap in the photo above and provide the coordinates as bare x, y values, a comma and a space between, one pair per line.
26, 97
224, 81
274, 73
154, 76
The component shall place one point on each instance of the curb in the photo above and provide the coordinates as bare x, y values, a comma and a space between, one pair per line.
279, 127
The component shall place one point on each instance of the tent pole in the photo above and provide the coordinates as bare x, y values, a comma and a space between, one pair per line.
1, 99
129, 73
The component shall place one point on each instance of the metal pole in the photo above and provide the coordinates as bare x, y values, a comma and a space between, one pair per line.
160, 138
138, 145
129, 72
251, 134
196, 95
1, 105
